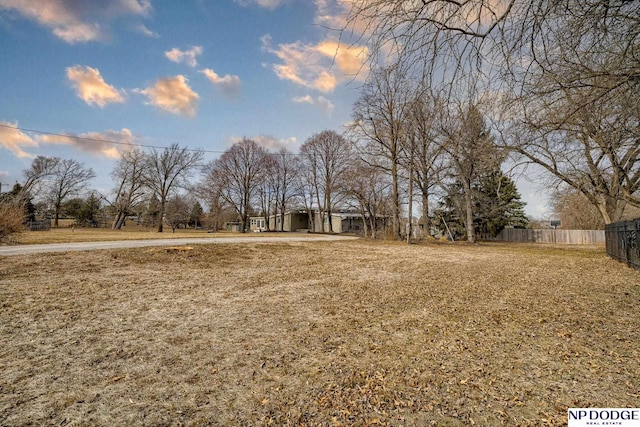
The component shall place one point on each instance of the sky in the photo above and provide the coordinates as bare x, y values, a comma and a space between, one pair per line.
199, 73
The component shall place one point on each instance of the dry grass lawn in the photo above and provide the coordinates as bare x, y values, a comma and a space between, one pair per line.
82, 234
345, 333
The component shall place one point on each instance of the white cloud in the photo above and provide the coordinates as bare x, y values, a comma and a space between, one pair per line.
318, 66
142, 29
349, 59
185, 56
321, 102
307, 99
172, 94
77, 21
267, 4
110, 143
271, 143
91, 87
229, 84
15, 140
331, 13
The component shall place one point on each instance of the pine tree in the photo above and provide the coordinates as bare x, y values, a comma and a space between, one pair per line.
196, 213
498, 204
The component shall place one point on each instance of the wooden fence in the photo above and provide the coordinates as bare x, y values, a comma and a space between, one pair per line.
565, 237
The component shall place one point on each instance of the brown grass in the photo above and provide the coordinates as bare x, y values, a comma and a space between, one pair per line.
11, 218
346, 333
69, 234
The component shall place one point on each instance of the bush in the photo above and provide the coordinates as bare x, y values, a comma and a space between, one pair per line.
11, 219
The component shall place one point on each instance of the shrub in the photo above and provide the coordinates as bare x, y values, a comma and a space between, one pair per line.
11, 219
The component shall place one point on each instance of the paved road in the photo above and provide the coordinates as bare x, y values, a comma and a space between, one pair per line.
124, 244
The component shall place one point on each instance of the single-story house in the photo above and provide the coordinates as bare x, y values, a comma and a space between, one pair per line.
305, 220
294, 220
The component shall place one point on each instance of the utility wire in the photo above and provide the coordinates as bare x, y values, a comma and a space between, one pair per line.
109, 141
106, 141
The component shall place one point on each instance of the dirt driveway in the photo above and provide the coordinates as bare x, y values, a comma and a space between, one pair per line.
124, 244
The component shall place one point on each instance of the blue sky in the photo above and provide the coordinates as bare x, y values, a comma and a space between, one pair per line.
198, 73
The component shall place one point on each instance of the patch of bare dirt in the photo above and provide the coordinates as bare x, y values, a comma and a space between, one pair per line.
319, 333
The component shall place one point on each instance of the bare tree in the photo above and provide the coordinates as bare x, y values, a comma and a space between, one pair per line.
472, 153
447, 40
574, 211
280, 186
381, 119
41, 168
177, 211
326, 156
237, 174
570, 69
168, 169
427, 161
268, 188
368, 186
210, 189
129, 192
68, 178
287, 181
593, 148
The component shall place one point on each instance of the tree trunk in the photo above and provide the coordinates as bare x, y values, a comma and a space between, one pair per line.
395, 196
282, 212
610, 208
57, 215
267, 226
410, 227
425, 214
312, 222
327, 201
468, 202
364, 221
118, 221
161, 217
373, 222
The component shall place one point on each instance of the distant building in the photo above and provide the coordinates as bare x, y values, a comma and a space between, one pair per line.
234, 226
311, 220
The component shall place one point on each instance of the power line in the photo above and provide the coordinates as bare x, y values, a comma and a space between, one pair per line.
109, 141
106, 141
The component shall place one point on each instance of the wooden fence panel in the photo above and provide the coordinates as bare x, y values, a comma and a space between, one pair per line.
564, 237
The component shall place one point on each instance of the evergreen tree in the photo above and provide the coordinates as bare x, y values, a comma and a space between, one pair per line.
196, 214
89, 211
498, 204
72, 207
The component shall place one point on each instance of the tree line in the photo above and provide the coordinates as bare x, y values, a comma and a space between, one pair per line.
559, 79
456, 89
374, 168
